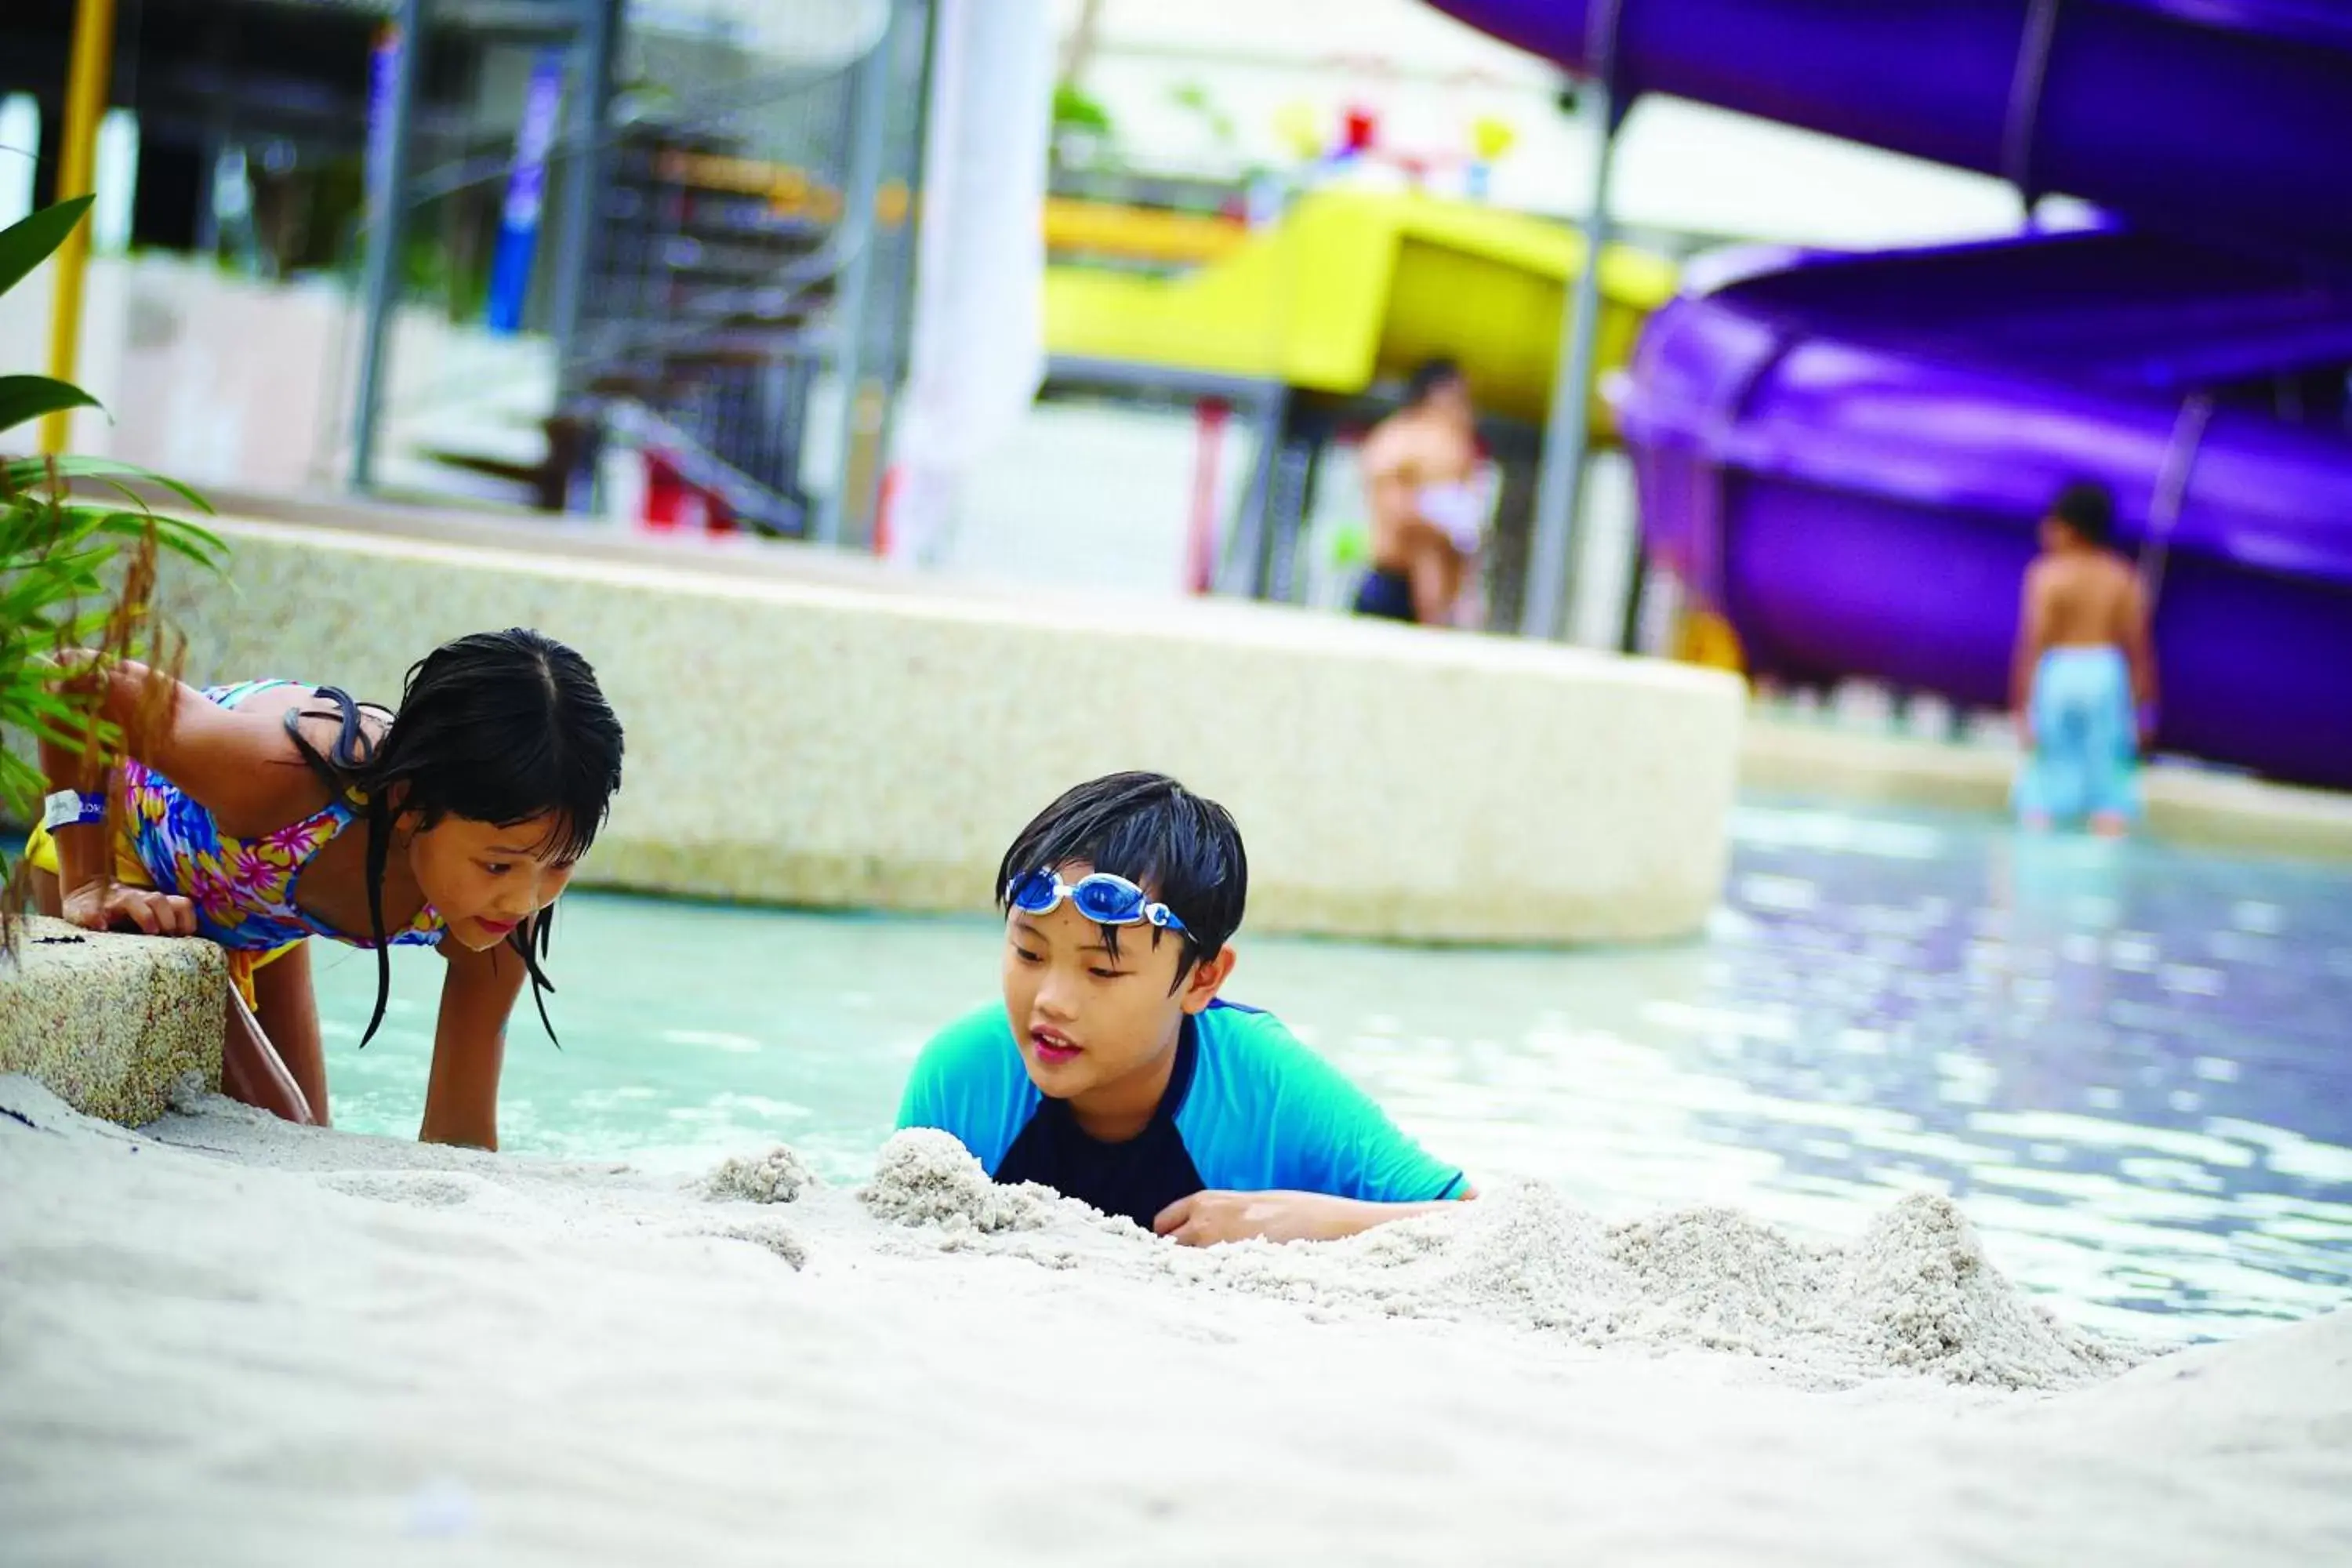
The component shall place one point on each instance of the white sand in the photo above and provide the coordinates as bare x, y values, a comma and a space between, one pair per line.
235, 1342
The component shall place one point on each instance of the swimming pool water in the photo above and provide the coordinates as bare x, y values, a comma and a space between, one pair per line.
2129, 1063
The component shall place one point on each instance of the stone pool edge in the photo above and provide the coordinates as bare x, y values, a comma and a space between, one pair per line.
848, 739
109, 1024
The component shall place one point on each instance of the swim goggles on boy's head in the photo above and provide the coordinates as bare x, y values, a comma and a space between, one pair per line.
1102, 897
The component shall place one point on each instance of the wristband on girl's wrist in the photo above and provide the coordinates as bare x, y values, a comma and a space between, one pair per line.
71, 808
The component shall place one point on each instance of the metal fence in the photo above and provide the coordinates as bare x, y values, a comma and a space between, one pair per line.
733, 249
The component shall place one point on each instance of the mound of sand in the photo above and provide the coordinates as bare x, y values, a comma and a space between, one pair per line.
1914, 1293
777, 1177
229, 1341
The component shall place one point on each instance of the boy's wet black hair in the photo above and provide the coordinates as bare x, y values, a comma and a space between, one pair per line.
498, 727
2088, 508
1431, 373
1182, 849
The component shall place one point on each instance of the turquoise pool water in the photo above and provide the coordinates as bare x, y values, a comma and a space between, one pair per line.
2130, 1064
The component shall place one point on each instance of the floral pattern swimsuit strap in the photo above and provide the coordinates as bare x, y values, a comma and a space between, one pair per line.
243, 888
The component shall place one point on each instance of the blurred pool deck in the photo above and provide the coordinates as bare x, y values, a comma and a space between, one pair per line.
1780, 755
1823, 754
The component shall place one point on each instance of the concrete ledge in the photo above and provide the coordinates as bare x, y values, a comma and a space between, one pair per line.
2211, 810
2246, 814
865, 741
108, 1023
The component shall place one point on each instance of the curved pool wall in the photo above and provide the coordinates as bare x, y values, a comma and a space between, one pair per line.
812, 732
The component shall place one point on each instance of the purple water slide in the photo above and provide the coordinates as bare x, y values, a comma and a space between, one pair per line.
2216, 116
1847, 455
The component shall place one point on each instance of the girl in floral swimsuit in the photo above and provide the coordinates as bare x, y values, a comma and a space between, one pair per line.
262, 814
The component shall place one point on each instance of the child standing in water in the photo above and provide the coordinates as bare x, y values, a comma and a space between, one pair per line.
2084, 681
264, 814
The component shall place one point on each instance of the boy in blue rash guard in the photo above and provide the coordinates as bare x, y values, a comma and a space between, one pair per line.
1111, 1072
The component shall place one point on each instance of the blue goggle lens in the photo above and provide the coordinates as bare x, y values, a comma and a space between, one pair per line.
1108, 900
1105, 899
1034, 894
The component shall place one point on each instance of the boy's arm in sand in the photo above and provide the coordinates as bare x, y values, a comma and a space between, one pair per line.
1205, 1219
469, 1044
1319, 1161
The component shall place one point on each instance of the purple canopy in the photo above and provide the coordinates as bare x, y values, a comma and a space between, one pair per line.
2217, 117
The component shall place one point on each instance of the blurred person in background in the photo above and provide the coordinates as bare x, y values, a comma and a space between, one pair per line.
2084, 681
1420, 468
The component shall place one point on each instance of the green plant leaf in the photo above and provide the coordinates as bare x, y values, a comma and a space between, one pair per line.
26, 472
181, 540
23, 477
26, 243
28, 398
60, 582
20, 783
1074, 111
176, 534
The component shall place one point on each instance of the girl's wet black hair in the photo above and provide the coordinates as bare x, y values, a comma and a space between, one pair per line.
1182, 848
498, 727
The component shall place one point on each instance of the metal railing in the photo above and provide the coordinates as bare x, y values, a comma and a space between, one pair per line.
748, 240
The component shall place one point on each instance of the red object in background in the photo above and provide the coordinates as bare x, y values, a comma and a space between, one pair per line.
1209, 417
1359, 129
673, 505
883, 505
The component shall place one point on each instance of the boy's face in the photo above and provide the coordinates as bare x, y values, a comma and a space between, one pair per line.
1088, 1023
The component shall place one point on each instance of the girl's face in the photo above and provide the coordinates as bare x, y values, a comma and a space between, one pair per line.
486, 881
